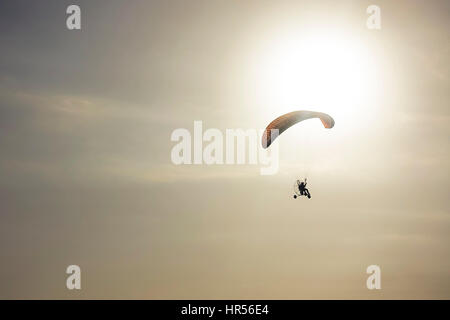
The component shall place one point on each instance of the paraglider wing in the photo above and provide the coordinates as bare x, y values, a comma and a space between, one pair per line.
287, 120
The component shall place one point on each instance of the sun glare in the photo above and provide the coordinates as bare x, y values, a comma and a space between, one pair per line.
323, 72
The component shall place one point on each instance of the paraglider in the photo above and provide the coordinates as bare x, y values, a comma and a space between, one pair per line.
301, 190
287, 120
284, 122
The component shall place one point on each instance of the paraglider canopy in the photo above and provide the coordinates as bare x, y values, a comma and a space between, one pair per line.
284, 122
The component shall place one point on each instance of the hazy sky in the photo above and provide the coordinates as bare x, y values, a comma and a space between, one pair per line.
86, 175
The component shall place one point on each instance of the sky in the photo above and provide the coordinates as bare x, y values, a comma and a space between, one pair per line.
86, 118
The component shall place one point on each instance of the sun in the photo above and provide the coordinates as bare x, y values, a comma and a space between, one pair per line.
322, 71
